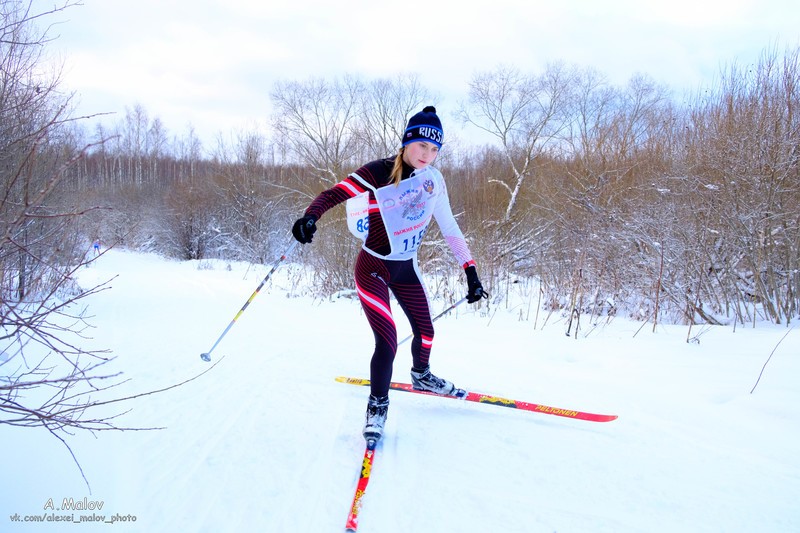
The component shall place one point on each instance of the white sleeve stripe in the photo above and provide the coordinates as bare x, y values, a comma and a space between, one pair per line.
362, 181
349, 187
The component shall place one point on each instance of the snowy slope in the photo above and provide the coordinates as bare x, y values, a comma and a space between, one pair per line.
268, 441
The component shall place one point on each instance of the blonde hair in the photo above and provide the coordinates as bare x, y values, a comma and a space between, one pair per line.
397, 170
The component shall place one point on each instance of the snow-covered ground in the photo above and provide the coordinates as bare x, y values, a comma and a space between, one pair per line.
267, 441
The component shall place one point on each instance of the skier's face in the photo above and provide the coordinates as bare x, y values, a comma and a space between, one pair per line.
420, 154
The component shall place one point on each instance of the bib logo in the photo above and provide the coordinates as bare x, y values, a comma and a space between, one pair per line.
413, 204
428, 186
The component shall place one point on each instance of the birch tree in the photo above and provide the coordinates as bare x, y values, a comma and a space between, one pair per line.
524, 113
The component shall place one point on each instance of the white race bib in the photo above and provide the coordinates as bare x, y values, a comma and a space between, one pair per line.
407, 210
358, 215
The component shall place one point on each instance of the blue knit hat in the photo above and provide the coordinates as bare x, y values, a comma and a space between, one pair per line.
424, 126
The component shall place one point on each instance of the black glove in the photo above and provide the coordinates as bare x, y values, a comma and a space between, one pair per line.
474, 288
304, 228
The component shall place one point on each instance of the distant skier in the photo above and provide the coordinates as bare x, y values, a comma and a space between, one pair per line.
390, 205
96, 246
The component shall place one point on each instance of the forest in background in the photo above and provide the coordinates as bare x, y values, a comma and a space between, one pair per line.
598, 199
601, 197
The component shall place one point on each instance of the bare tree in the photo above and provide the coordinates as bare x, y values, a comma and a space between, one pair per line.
157, 148
48, 378
253, 211
742, 146
188, 153
524, 113
39, 249
387, 105
316, 120
133, 141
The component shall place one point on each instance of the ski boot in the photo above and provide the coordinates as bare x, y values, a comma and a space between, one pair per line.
377, 409
423, 380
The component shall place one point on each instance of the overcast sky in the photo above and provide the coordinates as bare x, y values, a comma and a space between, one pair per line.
212, 63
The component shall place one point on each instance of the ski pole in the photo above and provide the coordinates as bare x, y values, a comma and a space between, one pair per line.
440, 315
207, 355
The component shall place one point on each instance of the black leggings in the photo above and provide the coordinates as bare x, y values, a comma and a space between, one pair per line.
374, 277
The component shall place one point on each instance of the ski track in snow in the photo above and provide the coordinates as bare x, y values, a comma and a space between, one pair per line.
267, 441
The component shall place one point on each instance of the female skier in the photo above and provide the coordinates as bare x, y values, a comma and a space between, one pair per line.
400, 195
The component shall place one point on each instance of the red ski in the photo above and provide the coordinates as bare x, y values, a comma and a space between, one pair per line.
361, 487
495, 400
